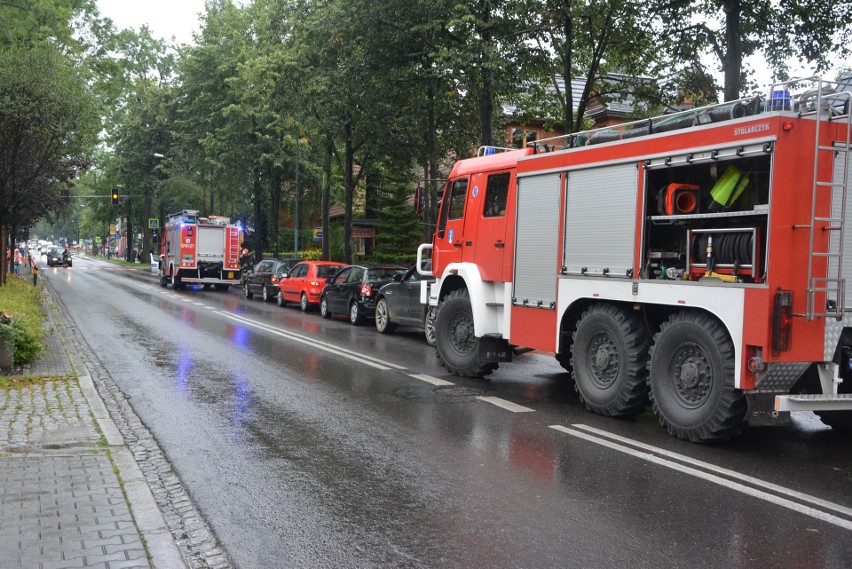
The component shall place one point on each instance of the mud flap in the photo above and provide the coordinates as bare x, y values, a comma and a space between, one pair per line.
494, 350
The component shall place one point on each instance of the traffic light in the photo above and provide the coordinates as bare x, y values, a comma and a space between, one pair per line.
115, 196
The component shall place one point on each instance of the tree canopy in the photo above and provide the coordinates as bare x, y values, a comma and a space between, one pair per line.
284, 108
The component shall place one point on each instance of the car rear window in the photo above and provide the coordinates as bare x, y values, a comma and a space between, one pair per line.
326, 271
382, 274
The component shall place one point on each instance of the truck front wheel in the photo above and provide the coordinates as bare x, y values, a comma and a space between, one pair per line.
692, 379
456, 344
609, 361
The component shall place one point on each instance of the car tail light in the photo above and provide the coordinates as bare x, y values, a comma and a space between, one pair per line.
314, 283
782, 321
366, 290
273, 279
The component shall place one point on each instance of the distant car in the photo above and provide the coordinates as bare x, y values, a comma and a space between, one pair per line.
54, 257
353, 291
398, 304
305, 281
263, 280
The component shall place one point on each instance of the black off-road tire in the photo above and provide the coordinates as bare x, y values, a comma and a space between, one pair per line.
456, 345
610, 361
383, 321
324, 312
692, 379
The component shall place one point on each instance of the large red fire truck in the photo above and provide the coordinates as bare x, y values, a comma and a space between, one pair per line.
200, 250
696, 262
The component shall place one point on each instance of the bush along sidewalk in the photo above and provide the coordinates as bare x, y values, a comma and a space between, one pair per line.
21, 323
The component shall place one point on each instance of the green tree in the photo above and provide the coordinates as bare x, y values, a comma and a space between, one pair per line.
47, 124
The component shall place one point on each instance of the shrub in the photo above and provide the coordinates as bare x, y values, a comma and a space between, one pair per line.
19, 300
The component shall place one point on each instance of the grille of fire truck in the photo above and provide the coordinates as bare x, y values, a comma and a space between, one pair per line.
825, 104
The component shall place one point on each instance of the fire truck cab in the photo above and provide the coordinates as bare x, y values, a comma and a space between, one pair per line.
200, 250
694, 262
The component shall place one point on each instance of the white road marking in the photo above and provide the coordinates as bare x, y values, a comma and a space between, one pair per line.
730, 484
430, 379
722, 471
370, 361
210, 307
507, 405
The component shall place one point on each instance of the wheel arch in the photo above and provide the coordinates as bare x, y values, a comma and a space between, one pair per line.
466, 276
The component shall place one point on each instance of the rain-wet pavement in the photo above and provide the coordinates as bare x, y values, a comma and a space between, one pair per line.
309, 443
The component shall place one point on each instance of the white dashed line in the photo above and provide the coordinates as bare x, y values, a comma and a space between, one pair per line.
507, 405
430, 379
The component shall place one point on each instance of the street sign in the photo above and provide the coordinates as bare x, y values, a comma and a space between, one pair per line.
318, 234
153, 223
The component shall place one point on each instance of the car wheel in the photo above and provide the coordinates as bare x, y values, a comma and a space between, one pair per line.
303, 302
383, 321
324, 308
429, 325
264, 294
280, 299
355, 316
247, 291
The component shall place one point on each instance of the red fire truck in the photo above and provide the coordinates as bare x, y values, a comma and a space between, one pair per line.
695, 262
200, 250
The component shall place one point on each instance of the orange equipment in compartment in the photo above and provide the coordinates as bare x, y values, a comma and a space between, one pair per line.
679, 199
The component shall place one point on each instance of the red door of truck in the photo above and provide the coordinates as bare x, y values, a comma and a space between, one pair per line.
491, 241
449, 238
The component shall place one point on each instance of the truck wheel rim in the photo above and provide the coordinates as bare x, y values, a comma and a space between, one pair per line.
691, 375
603, 360
461, 334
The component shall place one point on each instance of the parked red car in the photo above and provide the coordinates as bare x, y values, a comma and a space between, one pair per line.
305, 281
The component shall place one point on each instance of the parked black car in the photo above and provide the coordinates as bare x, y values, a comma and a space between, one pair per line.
263, 279
353, 291
54, 257
398, 304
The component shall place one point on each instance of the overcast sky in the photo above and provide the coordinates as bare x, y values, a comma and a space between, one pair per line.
165, 18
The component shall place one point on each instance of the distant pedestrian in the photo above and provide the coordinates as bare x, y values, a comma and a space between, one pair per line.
19, 259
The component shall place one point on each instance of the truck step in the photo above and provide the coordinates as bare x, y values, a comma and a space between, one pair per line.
842, 402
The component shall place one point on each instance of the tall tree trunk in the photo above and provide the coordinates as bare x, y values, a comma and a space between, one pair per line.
431, 186
326, 197
3, 249
733, 62
349, 191
147, 206
276, 211
568, 73
258, 216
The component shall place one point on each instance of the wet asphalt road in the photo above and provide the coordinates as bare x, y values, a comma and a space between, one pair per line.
313, 443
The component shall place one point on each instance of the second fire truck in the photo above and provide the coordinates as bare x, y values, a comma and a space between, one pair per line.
200, 250
697, 262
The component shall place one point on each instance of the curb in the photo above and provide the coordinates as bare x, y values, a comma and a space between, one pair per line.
160, 543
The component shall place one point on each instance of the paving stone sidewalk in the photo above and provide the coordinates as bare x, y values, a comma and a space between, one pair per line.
71, 494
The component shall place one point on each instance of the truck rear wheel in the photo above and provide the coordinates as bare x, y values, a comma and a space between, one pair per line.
176, 283
610, 361
456, 344
692, 379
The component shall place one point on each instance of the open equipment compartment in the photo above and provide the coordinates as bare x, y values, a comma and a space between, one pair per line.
706, 214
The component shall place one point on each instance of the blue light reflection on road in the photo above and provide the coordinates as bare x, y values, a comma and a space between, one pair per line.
184, 369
